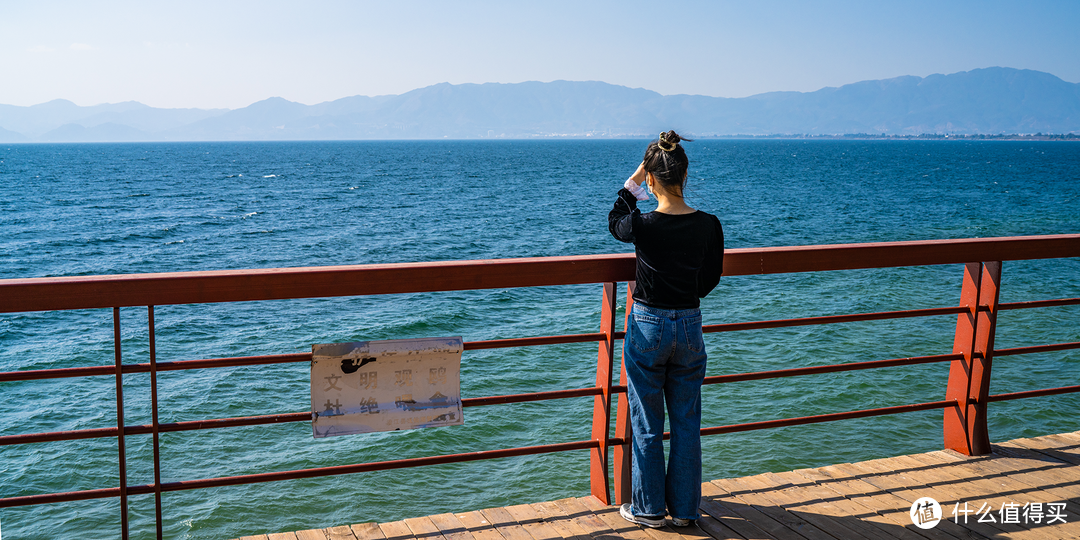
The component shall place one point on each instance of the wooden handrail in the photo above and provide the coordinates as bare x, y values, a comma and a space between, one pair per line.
83, 292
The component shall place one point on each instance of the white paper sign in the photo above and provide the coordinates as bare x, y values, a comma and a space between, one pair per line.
388, 385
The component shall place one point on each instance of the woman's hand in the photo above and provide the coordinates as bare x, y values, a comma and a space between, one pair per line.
639, 175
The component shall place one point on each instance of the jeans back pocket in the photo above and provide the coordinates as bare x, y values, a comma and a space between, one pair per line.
646, 332
692, 329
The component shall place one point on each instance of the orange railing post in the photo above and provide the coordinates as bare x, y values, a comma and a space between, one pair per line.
623, 452
598, 463
965, 428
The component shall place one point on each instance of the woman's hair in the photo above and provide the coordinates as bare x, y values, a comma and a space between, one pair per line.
667, 161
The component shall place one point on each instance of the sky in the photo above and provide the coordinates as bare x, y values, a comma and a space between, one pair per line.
229, 54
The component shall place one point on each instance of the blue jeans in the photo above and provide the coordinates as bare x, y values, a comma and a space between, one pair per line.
664, 355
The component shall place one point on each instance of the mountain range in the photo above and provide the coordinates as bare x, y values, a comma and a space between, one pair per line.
982, 101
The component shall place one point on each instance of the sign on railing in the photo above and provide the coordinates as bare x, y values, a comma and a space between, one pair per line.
370, 386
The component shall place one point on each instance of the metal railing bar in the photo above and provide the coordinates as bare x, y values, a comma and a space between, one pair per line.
1039, 303
366, 467
235, 361
832, 368
833, 319
451, 458
1037, 349
535, 396
533, 341
65, 373
215, 423
297, 474
468, 345
1034, 393
74, 435
816, 419
194, 425
47, 498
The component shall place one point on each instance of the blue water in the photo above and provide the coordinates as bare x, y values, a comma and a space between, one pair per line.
85, 209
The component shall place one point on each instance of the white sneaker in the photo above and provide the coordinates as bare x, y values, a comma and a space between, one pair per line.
628, 515
680, 522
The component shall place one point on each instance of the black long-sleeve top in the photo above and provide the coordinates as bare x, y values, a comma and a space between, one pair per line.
679, 257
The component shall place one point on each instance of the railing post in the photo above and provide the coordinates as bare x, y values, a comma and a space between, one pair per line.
965, 428
155, 425
122, 457
598, 463
623, 453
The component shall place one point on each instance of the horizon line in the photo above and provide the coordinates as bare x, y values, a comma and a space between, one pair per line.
517, 83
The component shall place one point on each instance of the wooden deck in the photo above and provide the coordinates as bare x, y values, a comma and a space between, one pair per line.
871, 499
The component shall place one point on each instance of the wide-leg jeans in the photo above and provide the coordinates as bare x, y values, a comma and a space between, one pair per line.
664, 355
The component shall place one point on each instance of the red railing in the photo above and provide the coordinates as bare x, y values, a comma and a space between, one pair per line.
964, 406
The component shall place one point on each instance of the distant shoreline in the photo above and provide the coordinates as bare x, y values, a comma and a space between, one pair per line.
920, 137
588, 136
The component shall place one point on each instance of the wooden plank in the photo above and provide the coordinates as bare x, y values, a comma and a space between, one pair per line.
367, 531
965, 487
720, 500
716, 529
451, 527
801, 493
255, 537
533, 523
505, 524
1001, 486
904, 486
341, 532
869, 499
554, 516
396, 530
714, 511
888, 506
478, 525
743, 489
584, 518
422, 528
610, 516
992, 491
820, 507
1072, 437
1060, 479
1064, 442
1049, 447
694, 531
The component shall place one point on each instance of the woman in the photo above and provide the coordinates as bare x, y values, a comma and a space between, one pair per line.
680, 256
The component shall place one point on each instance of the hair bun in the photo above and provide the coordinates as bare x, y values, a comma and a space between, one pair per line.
667, 144
669, 141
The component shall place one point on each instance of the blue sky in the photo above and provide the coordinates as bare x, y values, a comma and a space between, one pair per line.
233, 53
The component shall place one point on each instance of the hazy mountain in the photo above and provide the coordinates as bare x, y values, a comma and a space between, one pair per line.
107, 132
36, 120
992, 100
11, 136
